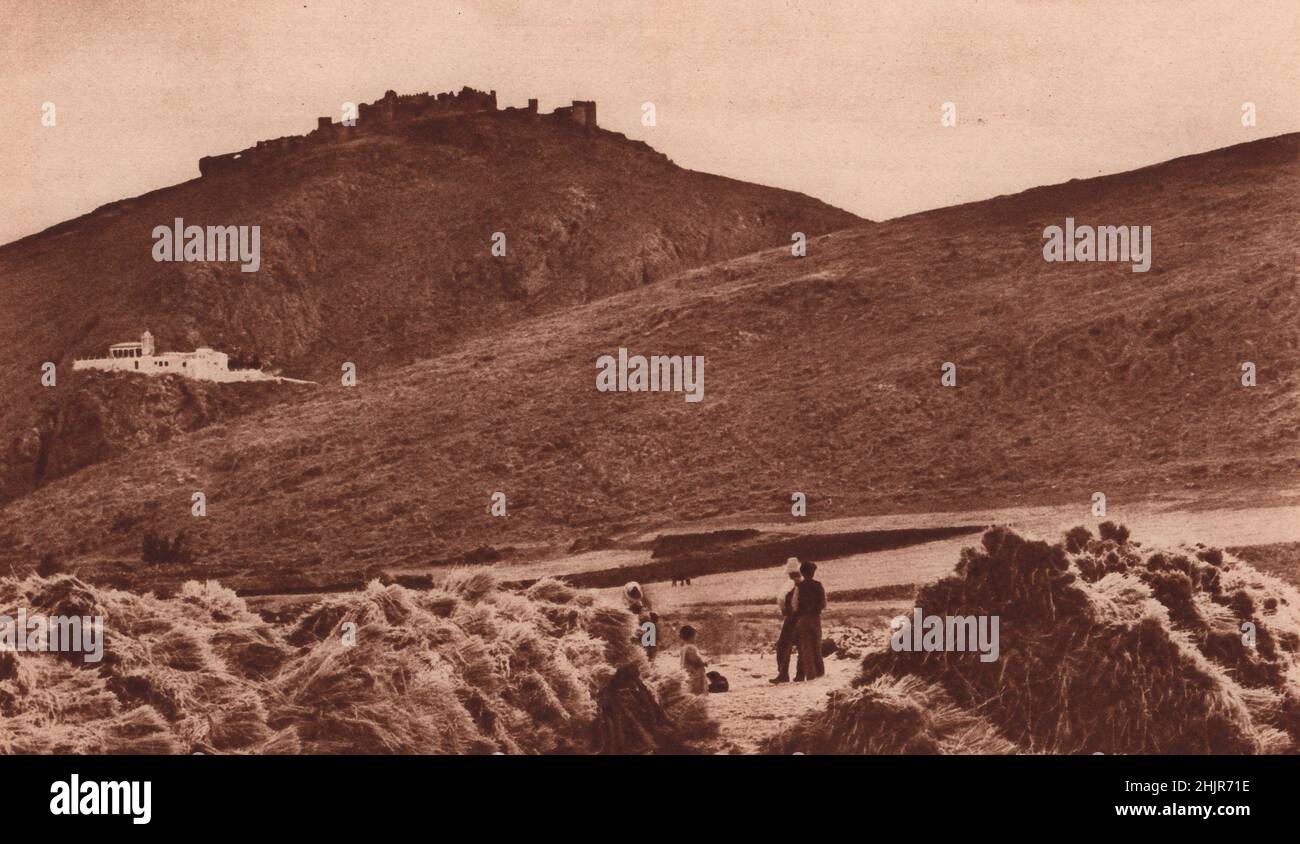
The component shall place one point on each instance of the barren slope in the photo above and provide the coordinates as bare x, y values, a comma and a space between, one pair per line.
822, 376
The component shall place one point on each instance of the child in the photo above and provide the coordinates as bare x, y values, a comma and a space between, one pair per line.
692, 663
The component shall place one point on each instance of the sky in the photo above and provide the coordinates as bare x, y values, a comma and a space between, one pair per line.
838, 100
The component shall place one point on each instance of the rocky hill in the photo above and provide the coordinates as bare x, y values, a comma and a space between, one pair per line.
375, 250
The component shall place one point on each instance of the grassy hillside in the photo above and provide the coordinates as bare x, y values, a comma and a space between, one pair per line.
822, 376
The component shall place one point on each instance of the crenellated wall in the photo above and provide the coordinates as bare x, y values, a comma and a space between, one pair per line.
582, 112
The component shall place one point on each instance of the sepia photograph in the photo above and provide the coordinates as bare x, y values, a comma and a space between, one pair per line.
849, 379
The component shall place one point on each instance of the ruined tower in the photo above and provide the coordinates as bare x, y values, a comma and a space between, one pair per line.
584, 112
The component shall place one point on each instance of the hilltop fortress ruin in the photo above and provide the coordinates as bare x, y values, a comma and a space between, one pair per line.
393, 109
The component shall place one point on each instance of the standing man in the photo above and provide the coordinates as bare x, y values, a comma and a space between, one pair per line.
785, 642
810, 600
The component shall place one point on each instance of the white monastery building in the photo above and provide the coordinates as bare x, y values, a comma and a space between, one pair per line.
202, 364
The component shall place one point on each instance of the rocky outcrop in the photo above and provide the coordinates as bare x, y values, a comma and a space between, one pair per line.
100, 416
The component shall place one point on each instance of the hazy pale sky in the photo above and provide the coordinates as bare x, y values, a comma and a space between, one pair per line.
840, 100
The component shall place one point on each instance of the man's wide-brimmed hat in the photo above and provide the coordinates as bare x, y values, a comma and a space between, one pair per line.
792, 565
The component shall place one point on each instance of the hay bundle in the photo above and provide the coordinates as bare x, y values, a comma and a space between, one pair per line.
849, 642
687, 713
518, 673
1123, 664
174, 674
631, 719
462, 667
890, 716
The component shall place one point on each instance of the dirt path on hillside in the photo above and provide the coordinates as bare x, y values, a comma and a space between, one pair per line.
754, 709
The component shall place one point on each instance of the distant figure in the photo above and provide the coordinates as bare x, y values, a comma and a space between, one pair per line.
638, 603
785, 642
810, 600
634, 594
692, 663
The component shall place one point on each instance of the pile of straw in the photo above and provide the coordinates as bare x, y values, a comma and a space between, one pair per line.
1104, 647
462, 667
890, 716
